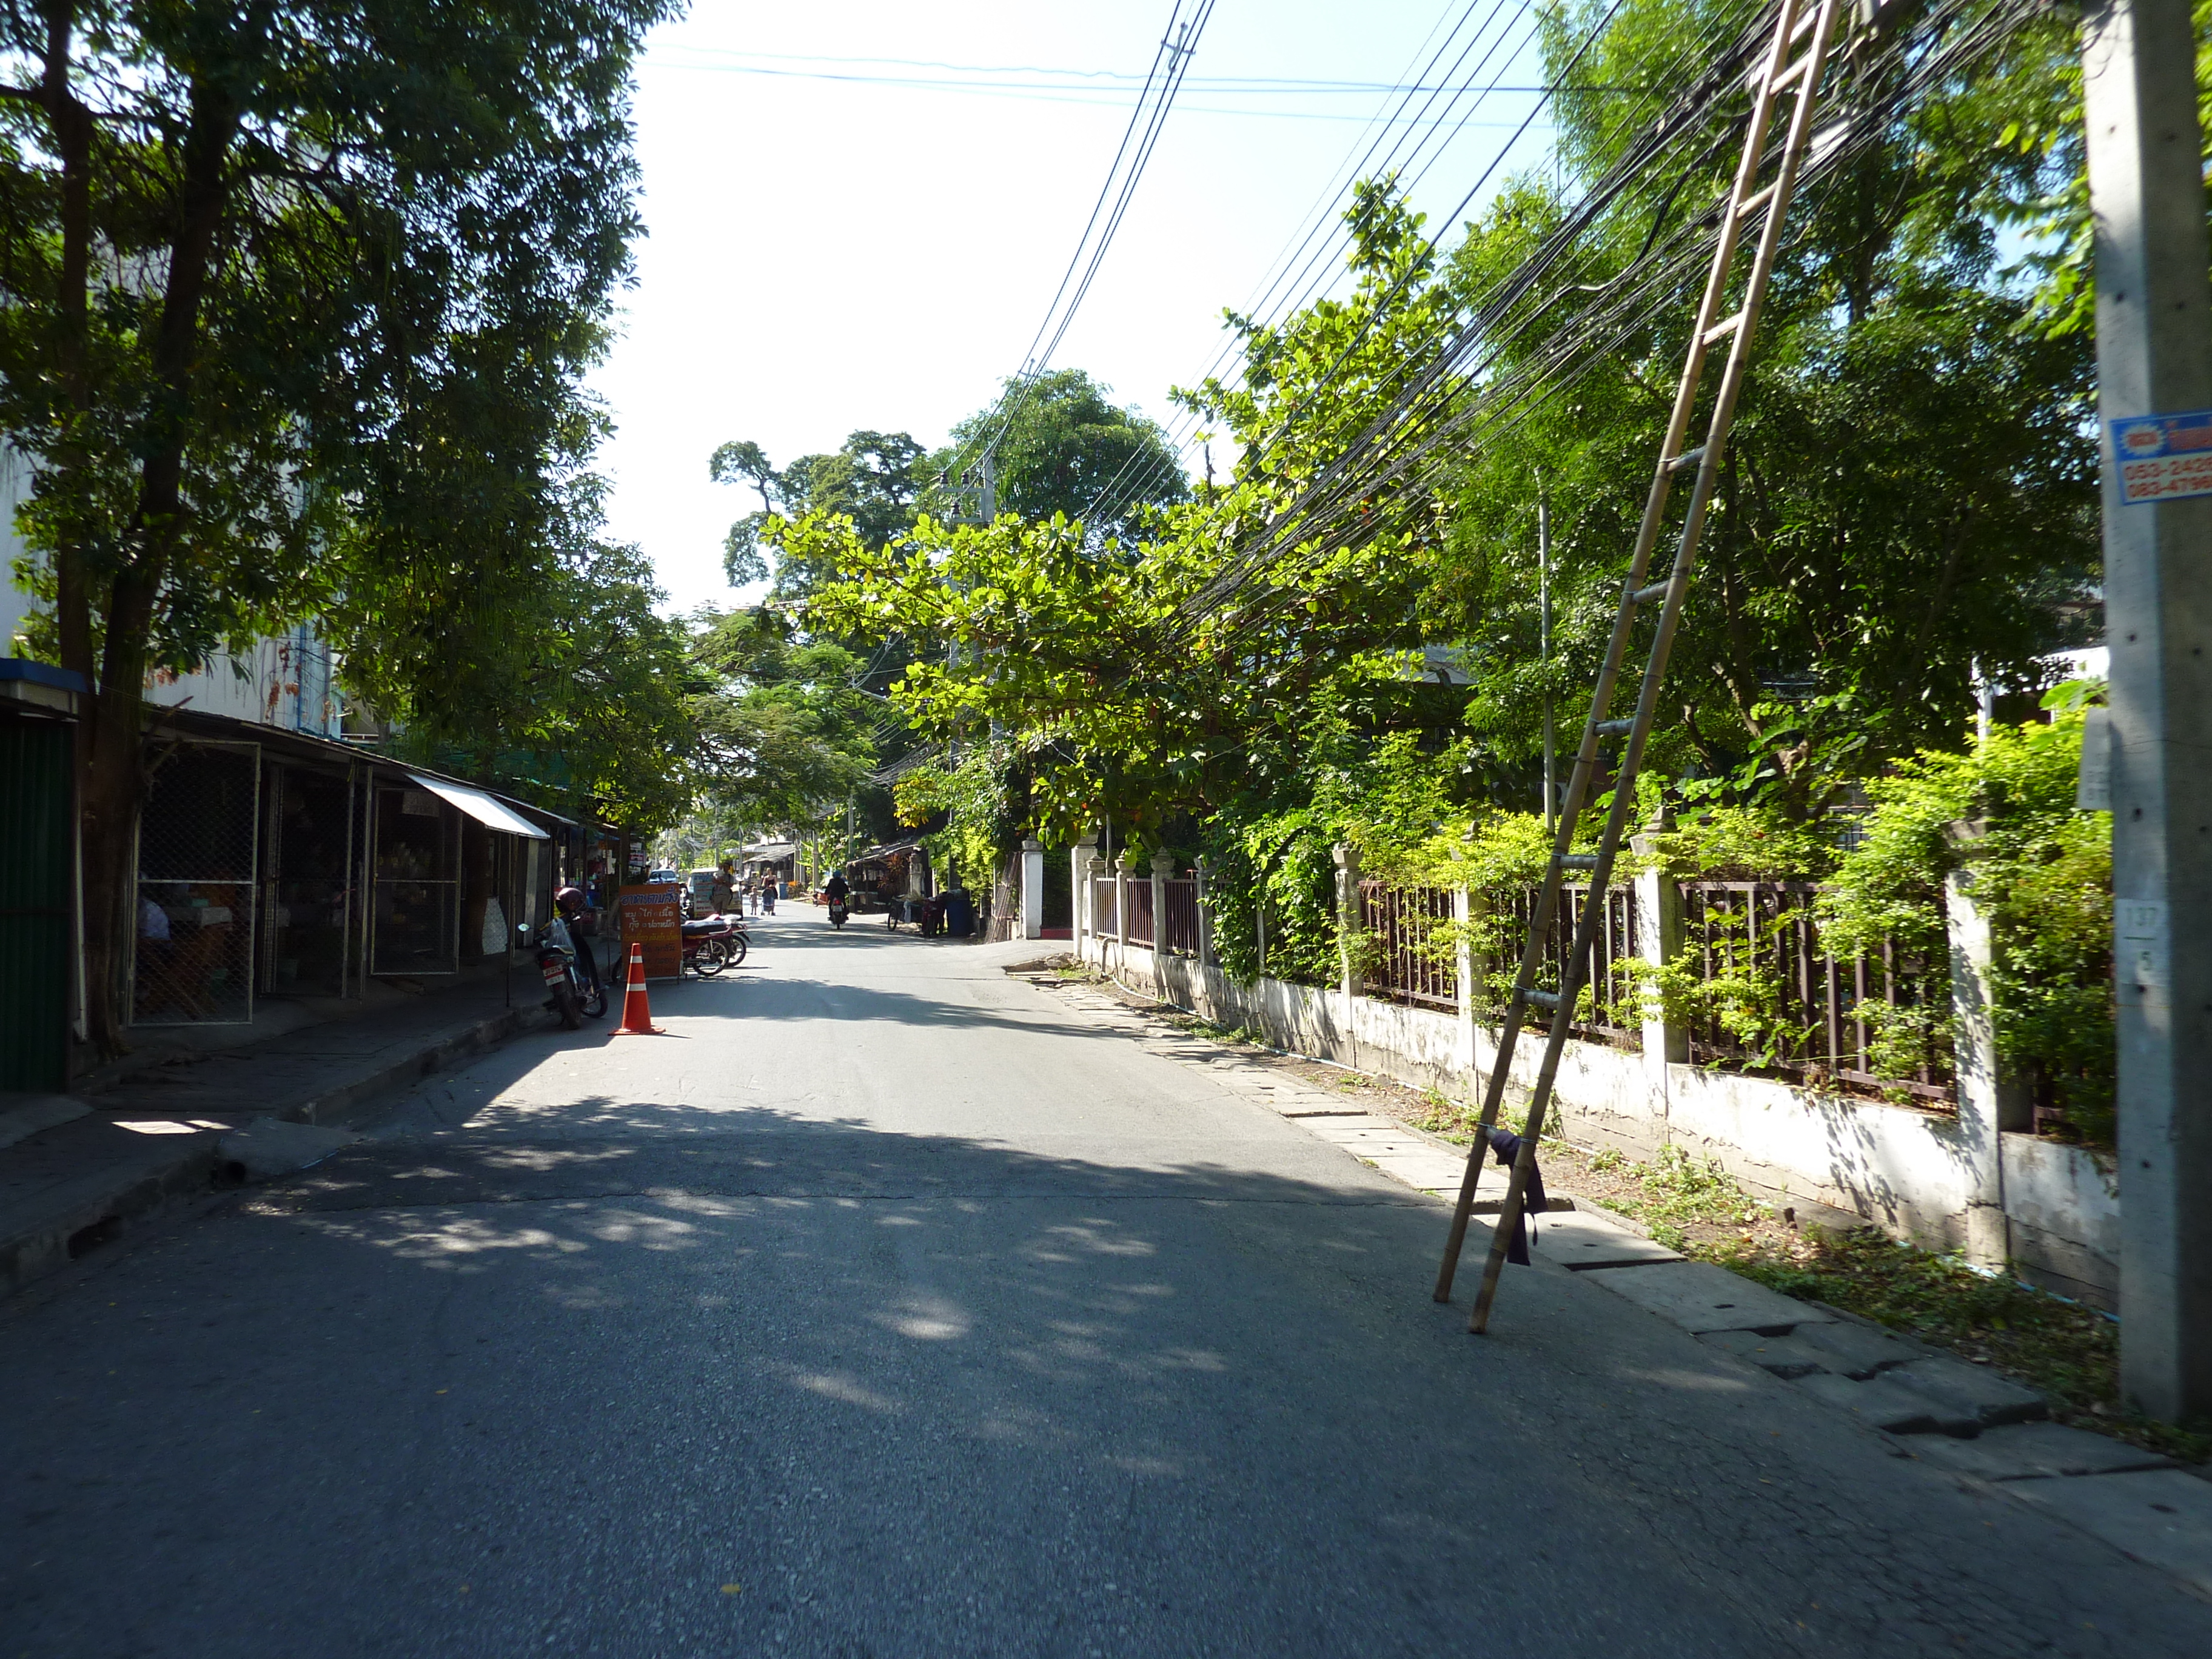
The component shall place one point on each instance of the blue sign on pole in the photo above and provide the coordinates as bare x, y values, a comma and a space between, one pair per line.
2163, 457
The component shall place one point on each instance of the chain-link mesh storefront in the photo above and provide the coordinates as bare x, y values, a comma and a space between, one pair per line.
197, 845
415, 911
308, 852
285, 867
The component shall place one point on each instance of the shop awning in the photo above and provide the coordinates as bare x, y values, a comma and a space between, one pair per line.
482, 807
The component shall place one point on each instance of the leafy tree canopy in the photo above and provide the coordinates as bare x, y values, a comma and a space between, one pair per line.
293, 328
1058, 446
873, 480
784, 736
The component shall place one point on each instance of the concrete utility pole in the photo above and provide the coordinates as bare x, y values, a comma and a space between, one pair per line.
2155, 358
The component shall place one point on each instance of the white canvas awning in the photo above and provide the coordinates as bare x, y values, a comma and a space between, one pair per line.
482, 808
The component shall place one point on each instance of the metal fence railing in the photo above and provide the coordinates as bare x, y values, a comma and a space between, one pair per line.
1411, 963
1140, 912
1613, 986
1105, 915
1179, 922
1749, 978
193, 958
1869, 1022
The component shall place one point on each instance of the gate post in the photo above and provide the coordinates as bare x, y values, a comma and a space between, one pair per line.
1081, 922
1032, 888
1120, 907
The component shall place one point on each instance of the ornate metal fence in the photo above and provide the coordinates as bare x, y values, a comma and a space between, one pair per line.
1179, 925
1611, 1010
1140, 911
1775, 1001
1410, 962
1105, 917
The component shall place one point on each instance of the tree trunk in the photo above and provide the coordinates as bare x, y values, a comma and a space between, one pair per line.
72, 126
112, 778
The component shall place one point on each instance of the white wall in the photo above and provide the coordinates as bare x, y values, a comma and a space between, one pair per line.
14, 603
285, 682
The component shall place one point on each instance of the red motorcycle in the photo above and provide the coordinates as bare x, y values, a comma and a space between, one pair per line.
714, 943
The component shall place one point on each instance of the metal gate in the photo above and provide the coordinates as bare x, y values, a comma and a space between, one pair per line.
198, 839
415, 921
307, 861
36, 789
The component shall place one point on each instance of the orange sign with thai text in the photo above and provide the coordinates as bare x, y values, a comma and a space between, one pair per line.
652, 916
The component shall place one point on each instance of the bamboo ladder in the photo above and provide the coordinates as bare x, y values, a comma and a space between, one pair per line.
1791, 69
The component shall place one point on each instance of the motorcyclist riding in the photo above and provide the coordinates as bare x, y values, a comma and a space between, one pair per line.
836, 887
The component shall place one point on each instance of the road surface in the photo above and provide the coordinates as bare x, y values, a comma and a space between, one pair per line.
887, 1306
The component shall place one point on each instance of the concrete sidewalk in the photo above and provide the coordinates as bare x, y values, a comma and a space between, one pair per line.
77, 1170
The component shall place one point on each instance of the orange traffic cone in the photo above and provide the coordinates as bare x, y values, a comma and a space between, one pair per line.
637, 1016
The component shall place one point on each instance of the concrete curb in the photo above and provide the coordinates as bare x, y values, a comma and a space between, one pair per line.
73, 1220
437, 1051
50, 1229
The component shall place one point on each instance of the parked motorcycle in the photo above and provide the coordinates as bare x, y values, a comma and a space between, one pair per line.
712, 944
568, 993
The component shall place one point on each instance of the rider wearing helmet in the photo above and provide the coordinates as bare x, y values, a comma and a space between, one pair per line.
836, 887
570, 902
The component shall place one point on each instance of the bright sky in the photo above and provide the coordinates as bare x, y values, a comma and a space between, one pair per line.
839, 241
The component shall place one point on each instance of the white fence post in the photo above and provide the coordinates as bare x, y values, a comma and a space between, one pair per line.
1204, 912
1659, 940
1032, 888
1093, 868
1463, 970
1162, 866
1121, 905
1986, 1107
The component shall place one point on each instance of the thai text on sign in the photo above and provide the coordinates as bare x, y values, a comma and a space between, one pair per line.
652, 916
2163, 457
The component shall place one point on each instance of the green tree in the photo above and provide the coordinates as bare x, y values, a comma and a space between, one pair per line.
1058, 446
784, 735
1910, 489
873, 480
286, 316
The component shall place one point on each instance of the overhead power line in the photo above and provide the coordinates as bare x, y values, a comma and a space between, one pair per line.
1461, 400
1170, 63
1664, 80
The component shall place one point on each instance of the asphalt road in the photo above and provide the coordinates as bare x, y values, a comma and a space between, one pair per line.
886, 1306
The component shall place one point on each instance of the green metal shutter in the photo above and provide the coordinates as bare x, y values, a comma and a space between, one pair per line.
35, 871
